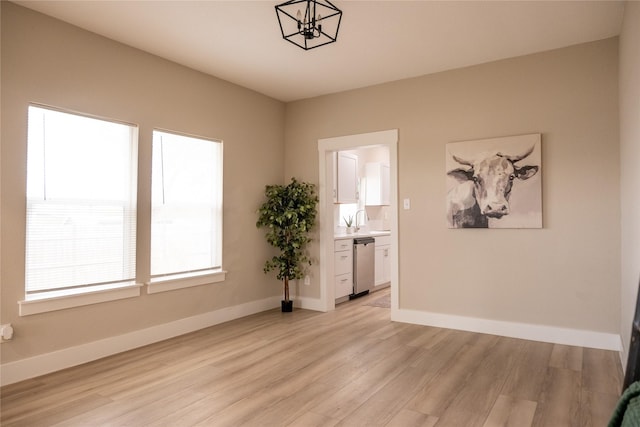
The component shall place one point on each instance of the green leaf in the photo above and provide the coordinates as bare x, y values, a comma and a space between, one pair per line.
288, 213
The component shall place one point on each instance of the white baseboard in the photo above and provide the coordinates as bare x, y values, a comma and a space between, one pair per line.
20, 370
526, 331
42, 364
309, 303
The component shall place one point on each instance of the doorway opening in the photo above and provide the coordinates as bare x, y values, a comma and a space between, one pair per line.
327, 147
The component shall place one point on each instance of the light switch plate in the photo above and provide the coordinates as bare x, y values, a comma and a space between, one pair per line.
407, 204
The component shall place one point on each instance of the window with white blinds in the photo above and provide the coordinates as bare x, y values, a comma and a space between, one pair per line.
186, 216
81, 203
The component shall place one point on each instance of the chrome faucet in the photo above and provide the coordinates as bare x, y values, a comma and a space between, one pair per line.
365, 216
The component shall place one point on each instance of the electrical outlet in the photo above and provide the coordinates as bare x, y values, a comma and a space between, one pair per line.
6, 332
307, 280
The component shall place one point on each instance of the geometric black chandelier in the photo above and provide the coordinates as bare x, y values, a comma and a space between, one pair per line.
309, 23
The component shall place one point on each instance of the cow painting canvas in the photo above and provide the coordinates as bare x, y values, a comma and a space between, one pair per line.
495, 183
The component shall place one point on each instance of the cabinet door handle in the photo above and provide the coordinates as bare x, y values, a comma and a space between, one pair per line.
343, 257
386, 252
343, 280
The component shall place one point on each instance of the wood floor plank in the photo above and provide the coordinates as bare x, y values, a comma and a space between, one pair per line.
567, 357
408, 418
58, 413
311, 419
443, 351
596, 408
383, 405
348, 398
351, 366
600, 372
143, 400
50, 397
149, 408
70, 383
371, 351
472, 404
429, 337
190, 414
559, 403
194, 370
240, 412
526, 380
340, 358
510, 412
438, 394
287, 410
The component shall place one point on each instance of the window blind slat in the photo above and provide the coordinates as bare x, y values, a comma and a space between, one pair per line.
81, 210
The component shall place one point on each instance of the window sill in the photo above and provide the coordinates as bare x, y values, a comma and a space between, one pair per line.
185, 280
60, 300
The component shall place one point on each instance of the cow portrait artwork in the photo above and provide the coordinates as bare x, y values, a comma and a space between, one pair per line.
484, 177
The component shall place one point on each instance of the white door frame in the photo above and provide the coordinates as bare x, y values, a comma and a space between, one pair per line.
326, 147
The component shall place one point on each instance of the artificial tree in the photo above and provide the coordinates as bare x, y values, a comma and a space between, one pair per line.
288, 214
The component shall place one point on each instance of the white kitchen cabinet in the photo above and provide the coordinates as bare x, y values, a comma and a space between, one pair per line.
382, 260
378, 184
343, 267
344, 285
346, 178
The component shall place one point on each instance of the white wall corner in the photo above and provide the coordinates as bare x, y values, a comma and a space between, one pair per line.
623, 357
42, 364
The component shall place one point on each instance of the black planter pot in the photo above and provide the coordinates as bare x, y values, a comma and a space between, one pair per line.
287, 306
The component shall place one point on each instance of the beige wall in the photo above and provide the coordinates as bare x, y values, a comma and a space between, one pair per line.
630, 173
566, 274
47, 61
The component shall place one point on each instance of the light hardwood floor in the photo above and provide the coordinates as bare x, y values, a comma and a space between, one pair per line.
350, 367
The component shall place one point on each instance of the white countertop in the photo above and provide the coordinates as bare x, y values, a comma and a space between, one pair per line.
361, 233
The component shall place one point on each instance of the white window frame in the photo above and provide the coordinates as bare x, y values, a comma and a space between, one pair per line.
169, 281
59, 298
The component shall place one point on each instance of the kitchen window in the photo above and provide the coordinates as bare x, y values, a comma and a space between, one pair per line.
186, 211
81, 210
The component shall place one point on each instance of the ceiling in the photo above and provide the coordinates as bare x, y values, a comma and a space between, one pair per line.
379, 41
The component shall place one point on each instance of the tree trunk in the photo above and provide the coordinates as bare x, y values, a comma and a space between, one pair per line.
286, 289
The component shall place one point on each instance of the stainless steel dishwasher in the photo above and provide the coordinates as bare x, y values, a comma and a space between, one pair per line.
364, 255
